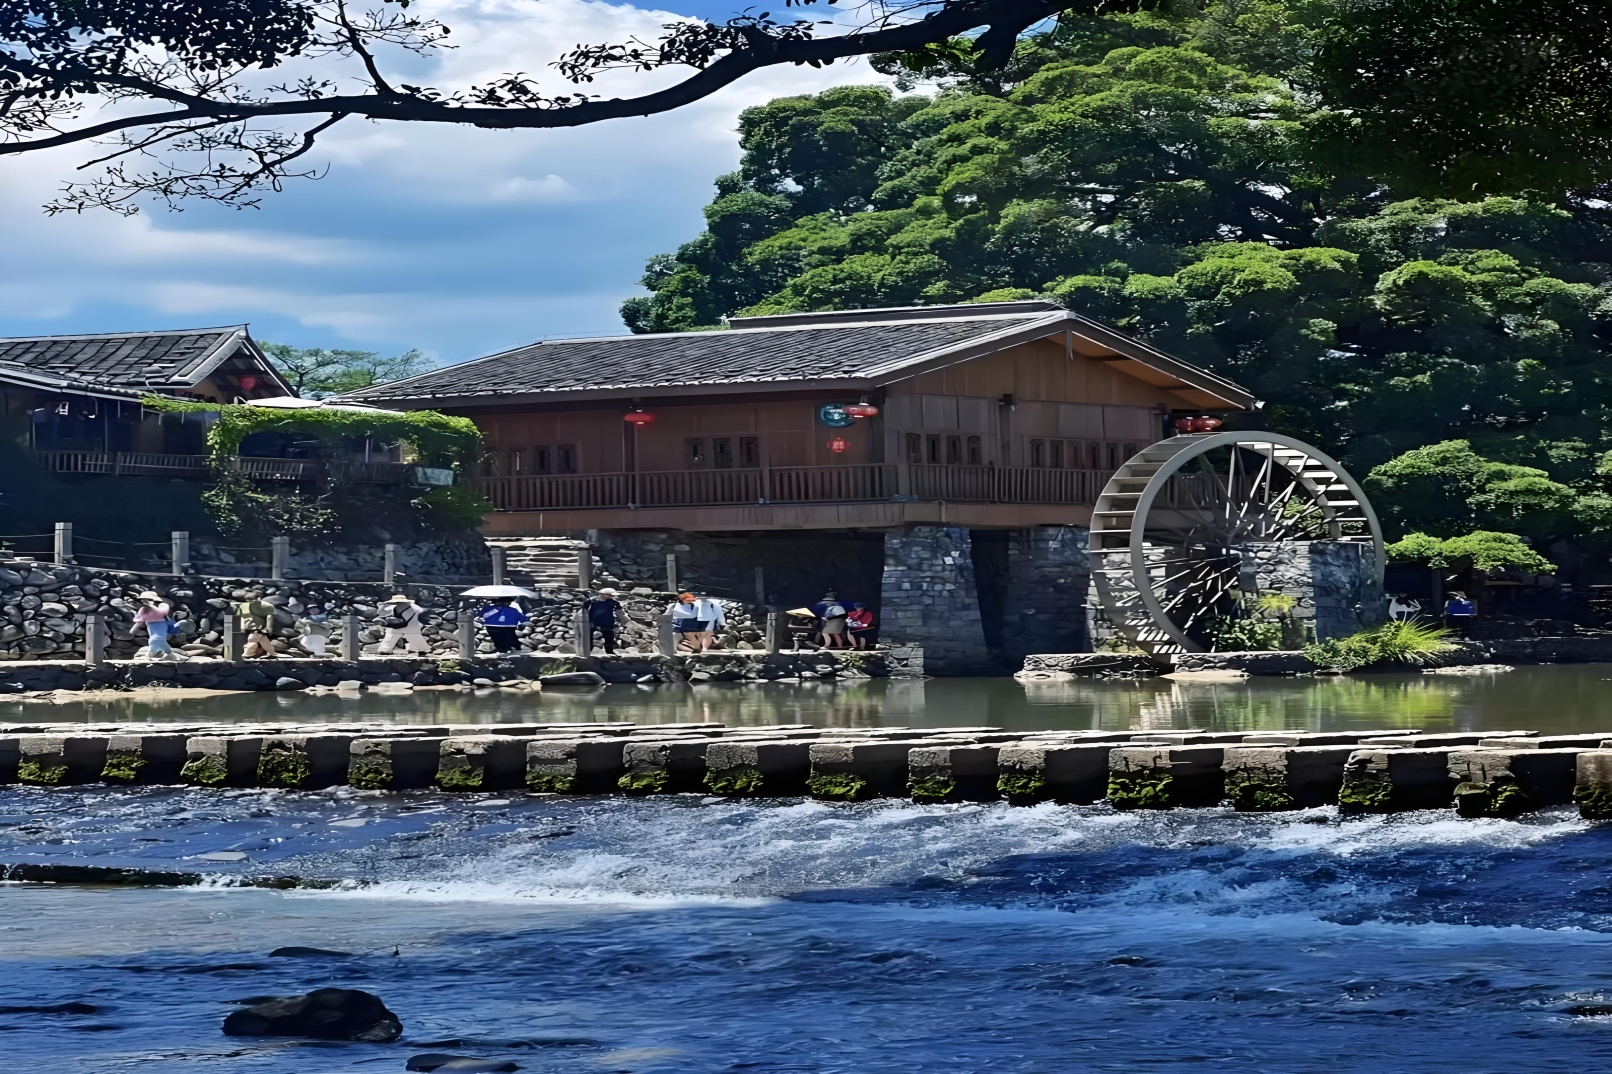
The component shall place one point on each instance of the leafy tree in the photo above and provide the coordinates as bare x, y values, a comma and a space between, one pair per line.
227, 97
1480, 550
1449, 490
316, 372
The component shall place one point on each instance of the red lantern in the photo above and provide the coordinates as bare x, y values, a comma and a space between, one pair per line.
1183, 425
839, 445
639, 418
247, 383
861, 410
1206, 424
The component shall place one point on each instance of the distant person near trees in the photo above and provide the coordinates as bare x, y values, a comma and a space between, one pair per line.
402, 620
153, 612
255, 615
686, 622
605, 615
1459, 613
502, 619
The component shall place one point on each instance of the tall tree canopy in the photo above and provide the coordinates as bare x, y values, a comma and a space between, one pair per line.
1178, 176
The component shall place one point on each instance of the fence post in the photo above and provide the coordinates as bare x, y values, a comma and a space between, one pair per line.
279, 557
64, 542
497, 553
582, 631
232, 639
352, 638
389, 565
761, 586
467, 635
666, 639
671, 572
181, 551
94, 640
585, 569
775, 632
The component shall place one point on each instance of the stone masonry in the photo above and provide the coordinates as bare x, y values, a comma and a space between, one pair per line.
1333, 581
929, 599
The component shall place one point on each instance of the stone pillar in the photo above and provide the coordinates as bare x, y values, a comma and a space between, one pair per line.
928, 598
1043, 606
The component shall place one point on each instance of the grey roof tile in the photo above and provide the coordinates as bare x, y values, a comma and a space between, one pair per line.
128, 360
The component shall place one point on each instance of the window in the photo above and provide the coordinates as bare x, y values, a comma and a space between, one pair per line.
722, 452
975, 455
1130, 451
517, 460
954, 451
933, 454
1094, 456
915, 448
1038, 453
749, 451
1055, 458
542, 460
565, 459
1113, 456
697, 458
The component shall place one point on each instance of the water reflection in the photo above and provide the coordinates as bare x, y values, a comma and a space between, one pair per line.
1558, 699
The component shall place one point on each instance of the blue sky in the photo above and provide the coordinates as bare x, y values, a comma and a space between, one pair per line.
456, 241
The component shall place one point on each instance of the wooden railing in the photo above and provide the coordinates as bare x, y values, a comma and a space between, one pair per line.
153, 464
793, 484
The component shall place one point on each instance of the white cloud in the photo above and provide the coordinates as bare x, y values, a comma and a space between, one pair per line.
454, 239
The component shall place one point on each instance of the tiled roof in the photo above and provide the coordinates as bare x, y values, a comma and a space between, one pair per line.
738, 356
133, 361
857, 348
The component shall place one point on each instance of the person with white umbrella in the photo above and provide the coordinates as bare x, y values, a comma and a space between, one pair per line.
502, 620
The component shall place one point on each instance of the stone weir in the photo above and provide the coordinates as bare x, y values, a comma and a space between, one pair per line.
22, 677
1500, 774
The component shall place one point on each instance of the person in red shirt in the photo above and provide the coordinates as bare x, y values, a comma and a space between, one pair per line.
860, 621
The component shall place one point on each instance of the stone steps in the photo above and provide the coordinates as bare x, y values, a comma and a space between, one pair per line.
1131, 770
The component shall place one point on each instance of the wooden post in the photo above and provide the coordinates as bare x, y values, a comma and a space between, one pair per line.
667, 638
467, 635
777, 631
761, 586
585, 569
352, 638
181, 551
389, 565
234, 640
582, 631
671, 572
279, 557
497, 552
95, 640
64, 542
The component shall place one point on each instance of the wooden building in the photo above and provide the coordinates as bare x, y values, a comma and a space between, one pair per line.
994, 415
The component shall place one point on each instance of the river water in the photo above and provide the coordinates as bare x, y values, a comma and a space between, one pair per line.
698, 935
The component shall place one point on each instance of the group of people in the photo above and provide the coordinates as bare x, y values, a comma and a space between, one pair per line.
1459, 611
255, 615
842, 624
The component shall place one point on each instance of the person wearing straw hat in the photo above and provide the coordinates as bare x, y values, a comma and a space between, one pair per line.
401, 617
604, 615
153, 612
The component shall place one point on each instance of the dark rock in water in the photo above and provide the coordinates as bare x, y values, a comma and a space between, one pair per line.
572, 678
286, 682
436, 1061
325, 1013
1128, 960
307, 952
55, 1008
12, 688
1591, 1010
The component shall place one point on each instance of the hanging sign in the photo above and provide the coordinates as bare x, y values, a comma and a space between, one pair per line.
834, 416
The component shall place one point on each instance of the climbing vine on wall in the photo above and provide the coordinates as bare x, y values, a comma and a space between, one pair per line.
440, 439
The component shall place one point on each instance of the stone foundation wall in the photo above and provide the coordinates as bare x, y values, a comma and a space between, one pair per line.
1334, 582
929, 598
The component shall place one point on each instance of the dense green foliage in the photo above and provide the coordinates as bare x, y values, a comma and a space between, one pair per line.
1395, 642
1191, 180
1480, 550
318, 372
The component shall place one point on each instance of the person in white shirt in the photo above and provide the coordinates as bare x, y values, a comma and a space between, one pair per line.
710, 613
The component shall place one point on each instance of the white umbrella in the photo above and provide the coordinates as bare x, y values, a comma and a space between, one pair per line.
500, 591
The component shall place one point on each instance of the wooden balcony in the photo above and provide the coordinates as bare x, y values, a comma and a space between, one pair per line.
150, 464
793, 485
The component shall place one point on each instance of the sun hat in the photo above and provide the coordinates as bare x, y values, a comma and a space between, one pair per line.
398, 598
149, 595
608, 590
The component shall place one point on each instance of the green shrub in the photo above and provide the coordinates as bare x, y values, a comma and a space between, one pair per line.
1397, 642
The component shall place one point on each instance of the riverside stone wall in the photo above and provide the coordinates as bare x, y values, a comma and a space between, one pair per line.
1334, 582
298, 673
44, 608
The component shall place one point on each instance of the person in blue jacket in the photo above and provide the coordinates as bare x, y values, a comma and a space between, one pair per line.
501, 617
